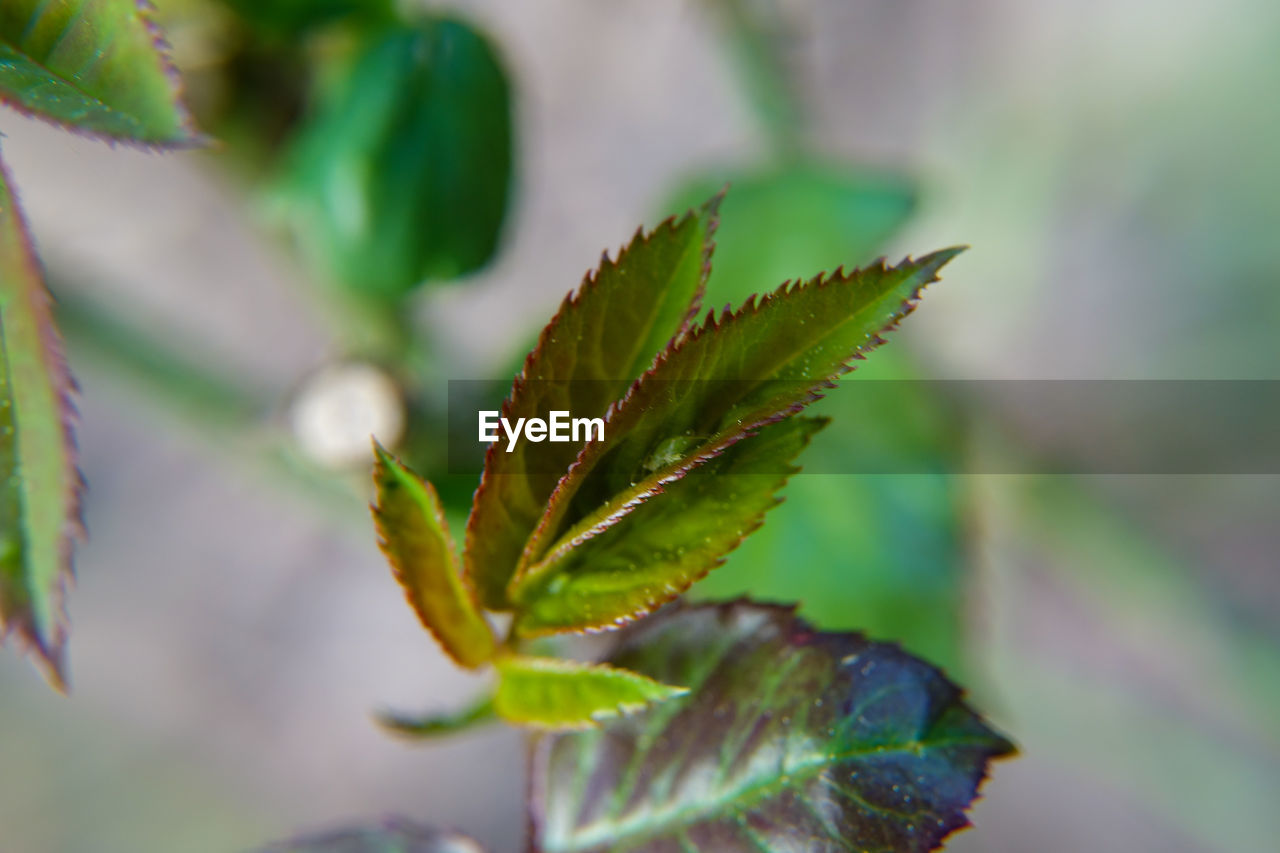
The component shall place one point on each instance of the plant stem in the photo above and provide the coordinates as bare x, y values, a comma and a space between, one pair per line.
757, 33
478, 713
188, 389
226, 413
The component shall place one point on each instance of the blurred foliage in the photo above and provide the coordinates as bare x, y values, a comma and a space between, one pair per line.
100, 69
289, 19
402, 171
40, 486
1174, 704
788, 222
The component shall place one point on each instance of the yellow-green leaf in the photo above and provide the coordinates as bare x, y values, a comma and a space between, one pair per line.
39, 483
97, 66
413, 534
551, 693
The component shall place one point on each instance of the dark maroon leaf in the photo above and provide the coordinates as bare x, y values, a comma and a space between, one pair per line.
790, 739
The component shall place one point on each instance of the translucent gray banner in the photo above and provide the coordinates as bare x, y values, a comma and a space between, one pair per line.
926, 426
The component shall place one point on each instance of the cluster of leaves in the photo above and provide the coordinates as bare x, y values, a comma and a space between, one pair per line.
740, 724
400, 175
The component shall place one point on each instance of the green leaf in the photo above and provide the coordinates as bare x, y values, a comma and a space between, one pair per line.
97, 66
413, 535
655, 553
720, 383
886, 554
602, 339
403, 172
552, 693
39, 484
789, 739
394, 835
785, 222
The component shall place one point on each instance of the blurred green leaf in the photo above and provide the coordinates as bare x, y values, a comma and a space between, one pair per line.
552, 693
39, 484
97, 66
602, 339
291, 18
402, 173
723, 381
414, 536
785, 222
390, 836
652, 555
789, 739
40, 493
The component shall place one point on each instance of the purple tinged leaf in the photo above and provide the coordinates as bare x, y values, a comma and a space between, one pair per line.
39, 484
790, 739
721, 383
657, 552
414, 536
96, 66
604, 336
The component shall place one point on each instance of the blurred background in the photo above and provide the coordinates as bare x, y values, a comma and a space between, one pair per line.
1112, 164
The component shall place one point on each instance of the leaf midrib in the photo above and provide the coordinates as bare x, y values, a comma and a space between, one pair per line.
627, 500
642, 340
17, 49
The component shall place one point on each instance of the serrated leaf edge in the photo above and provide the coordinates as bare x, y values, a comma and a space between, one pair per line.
673, 592
795, 629
573, 667
51, 651
161, 50
383, 459
623, 504
571, 301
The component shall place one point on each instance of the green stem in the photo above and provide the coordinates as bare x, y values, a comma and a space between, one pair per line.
190, 390
756, 35
478, 713
226, 413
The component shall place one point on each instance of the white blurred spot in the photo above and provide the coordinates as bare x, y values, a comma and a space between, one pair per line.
459, 844
339, 407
